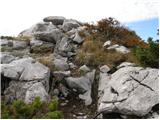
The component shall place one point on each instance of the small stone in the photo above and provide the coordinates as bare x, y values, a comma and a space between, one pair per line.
84, 68
107, 43
56, 92
74, 90
80, 114
72, 66
104, 69
66, 101
85, 117
74, 115
63, 104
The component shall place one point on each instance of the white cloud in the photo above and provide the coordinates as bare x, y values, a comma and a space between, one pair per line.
17, 15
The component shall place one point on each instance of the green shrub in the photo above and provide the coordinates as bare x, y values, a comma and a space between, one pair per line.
37, 109
148, 57
53, 105
54, 115
21, 110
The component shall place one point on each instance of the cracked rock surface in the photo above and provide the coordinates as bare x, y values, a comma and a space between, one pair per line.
28, 79
130, 91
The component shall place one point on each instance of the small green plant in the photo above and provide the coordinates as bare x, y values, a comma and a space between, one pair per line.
54, 115
37, 109
53, 105
21, 110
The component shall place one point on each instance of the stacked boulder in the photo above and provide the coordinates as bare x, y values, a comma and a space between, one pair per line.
25, 79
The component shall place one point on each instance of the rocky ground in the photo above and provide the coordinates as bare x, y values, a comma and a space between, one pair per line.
40, 62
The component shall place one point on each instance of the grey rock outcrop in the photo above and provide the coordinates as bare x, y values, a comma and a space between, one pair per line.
36, 90
69, 25
53, 35
130, 91
44, 31
83, 86
56, 20
63, 46
126, 64
19, 44
26, 74
61, 63
34, 43
6, 58
78, 39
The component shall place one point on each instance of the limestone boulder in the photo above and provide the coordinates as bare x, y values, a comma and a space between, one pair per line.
130, 91
56, 20
83, 85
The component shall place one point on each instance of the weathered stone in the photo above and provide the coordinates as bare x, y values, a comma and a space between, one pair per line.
107, 43
72, 66
130, 91
119, 48
84, 68
56, 92
44, 31
56, 20
11, 71
28, 79
61, 63
126, 64
19, 44
83, 86
36, 90
49, 36
39, 27
6, 58
104, 69
104, 79
36, 42
32, 70
70, 24
77, 38
63, 47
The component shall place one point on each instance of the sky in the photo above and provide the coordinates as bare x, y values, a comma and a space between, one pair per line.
145, 28
18, 15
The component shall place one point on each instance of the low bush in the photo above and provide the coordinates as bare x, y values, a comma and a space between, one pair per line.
110, 29
37, 109
148, 57
54, 115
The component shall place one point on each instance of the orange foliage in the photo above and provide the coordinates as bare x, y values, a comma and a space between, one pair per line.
110, 29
